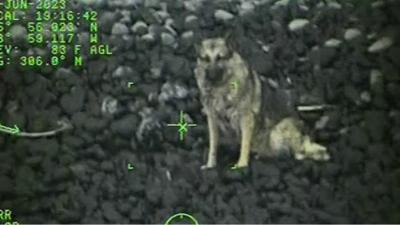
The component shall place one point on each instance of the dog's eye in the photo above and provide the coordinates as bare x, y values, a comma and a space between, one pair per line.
224, 56
205, 58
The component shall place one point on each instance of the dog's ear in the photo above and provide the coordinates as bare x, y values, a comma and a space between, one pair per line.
230, 41
233, 37
197, 42
197, 46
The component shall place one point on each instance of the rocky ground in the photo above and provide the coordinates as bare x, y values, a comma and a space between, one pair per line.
344, 53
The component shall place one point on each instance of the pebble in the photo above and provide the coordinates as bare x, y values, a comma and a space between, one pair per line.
281, 3
125, 126
365, 96
333, 43
155, 30
88, 2
187, 37
371, 35
376, 124
124, 3
322, 56
109, 105
380, 45
161, 16
377, 4
140, 27
246, 8
191, 5
168, 39
376, 82
172, 91
298, 24
191, 21
152, 3
351, 34
148, 38
178, 66
358, 137
223, 15
126, 17
149, 123
110, 212
73, 102
122, 71
107, 166
322, 122
334, 5
25, 181
18, 33
6, 185
107, 20
169, 24
119, 29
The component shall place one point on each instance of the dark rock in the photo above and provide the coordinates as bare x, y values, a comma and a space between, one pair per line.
153, 193
96, 152
358, 137
61, 174
376, 124
322, 56
6, 185
125, 126
150, 122
90, 202
124, 207
393, 91
268, 175
80, 170
287, 220
191, 22
73, 141
223, 15
352, 94
95, 125
25, 181
140, 28
109, 187
95, 70
168, 39
110, 212
122, 71
262, 63
171, 91
137, 213
74, 101
170, 197
107, 166
119, 29
178, 66
107, 20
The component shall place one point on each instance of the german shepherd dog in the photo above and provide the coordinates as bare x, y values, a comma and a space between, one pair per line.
236, 99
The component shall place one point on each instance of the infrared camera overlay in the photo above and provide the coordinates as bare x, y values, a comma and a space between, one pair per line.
47, 25
199, 112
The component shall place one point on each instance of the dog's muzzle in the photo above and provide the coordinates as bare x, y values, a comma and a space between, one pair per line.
214, 74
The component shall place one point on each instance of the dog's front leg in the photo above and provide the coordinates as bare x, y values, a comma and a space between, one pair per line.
247, 123
213, 136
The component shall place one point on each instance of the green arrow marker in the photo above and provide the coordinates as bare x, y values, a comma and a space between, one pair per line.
130, 167
9, 130
130, 84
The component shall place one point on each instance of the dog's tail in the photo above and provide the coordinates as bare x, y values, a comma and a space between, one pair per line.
287, 135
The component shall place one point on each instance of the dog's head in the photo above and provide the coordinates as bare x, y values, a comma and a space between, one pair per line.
213, 57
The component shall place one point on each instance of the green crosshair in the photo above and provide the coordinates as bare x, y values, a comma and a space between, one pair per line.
183, 126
